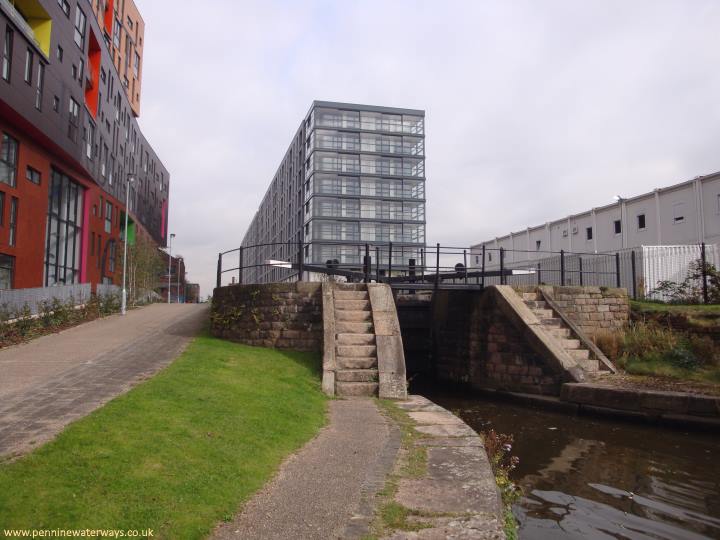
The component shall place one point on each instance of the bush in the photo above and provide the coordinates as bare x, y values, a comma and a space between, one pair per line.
690, 291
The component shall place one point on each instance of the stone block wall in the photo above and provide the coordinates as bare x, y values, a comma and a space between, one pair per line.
593, 309
279, 315
477, 345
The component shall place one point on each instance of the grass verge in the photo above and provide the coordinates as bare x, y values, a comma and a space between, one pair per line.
176, 454
654, 307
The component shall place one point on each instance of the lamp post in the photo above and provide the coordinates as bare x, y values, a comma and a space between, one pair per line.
180, 260
169, 266
123, 306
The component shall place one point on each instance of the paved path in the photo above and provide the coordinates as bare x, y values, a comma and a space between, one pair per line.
326, 489
56, 379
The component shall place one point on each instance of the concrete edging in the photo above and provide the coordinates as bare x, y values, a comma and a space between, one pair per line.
388, 342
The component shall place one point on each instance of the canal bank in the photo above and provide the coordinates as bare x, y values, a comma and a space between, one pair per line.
590, 477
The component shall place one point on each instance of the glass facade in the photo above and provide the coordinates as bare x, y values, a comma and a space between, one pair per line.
365, 183
64, 231
353, 175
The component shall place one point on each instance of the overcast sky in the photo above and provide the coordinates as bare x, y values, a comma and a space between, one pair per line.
534, 110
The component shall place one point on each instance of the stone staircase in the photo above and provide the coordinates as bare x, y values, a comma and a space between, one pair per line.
557, 328
355, 345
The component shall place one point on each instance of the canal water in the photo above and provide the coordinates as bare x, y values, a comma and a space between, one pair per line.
590, 478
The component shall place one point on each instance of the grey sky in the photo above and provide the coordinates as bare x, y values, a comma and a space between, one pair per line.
535, 109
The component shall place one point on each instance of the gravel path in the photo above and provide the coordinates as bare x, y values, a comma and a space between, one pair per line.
325, 490
51, 381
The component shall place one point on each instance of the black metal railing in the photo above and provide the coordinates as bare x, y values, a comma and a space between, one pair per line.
409, 266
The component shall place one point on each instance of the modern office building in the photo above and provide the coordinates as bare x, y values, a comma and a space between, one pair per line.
685, 213
70, 141
353, 175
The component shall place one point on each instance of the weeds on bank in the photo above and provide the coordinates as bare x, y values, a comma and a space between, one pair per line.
19, 325
498, 448
648, 348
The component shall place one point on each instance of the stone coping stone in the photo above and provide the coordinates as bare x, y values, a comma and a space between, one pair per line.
642, 401
459, 484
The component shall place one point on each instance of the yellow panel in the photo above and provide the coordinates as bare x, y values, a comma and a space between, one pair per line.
42, 28
38, 20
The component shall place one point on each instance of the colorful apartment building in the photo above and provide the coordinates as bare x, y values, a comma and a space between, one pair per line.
70, 143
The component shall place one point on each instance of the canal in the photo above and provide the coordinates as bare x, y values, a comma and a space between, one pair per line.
591, 478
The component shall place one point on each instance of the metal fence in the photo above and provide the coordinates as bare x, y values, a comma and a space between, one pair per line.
105, 289
638, 270
17, 299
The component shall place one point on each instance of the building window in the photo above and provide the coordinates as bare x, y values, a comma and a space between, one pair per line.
7, 54
116, 34
7, 268
136, 65
65, 6
641, 222
29, 57
489, 257
73, 119
2, 208
8, 160
64, 230
678, 212
60, 54
80, 28
617, 225
40, 84
111, 256
33, 175
56, 104
538, 243
108, 216
90, 136
588, 233
13, 221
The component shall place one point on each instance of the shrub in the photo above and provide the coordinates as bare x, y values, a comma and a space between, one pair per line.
498, 448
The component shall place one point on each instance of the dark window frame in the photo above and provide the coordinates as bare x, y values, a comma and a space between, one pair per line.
7, 263
14, 209
7, 54
641, 222
10, 164
29, 62
33, 175
617, 226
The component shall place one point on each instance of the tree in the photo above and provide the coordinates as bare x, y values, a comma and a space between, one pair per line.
145, 264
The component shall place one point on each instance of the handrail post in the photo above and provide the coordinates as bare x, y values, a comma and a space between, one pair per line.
437, 264
465, 263
502, 266
562, 267
634, 280
422, 264
581, 269
539, 281
377, 264
240, 267
483, 268
300, 260
703, 261
219, 271
390, 253
367, 263
617, 269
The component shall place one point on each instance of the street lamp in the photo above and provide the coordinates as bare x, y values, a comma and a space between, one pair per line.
123, 305
169, 265
180, 260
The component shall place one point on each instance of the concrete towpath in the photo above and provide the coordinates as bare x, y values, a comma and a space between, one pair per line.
325, 490
53, 380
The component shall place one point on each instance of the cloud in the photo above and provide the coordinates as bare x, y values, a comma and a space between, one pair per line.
535, 110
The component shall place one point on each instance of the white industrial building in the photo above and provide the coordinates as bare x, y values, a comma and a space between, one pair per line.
684, 214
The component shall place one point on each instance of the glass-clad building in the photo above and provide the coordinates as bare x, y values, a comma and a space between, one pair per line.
354, 175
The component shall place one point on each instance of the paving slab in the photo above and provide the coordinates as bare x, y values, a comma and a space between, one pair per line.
326, 489
56, 379
458, 496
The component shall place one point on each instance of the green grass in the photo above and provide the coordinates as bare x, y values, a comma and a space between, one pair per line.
657, 367
176, 454
690, 309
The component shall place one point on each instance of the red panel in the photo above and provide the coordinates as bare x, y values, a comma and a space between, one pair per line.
92, 88
109, 14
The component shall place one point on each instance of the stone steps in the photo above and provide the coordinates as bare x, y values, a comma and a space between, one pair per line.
350, 295
557, 328
356, 389
352, 315
348, 327
355, 339
357, 375
356, 362
352, 305
355, 349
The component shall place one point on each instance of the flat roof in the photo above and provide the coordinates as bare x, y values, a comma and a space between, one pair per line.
371, 108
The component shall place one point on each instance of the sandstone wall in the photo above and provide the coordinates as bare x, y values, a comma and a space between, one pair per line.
593, 309
279, 315
475, 344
